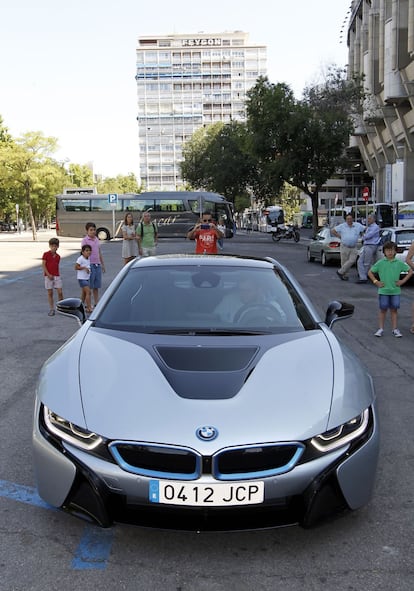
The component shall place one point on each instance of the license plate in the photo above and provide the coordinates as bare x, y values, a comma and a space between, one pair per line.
216, 494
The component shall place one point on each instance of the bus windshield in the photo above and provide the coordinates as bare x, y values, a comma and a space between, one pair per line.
175, 213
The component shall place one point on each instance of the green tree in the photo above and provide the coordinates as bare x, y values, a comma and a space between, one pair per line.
30, 172
217, 159
303, 142
119, 184
80, 175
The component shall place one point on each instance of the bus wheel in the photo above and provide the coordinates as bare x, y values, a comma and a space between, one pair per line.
103, 234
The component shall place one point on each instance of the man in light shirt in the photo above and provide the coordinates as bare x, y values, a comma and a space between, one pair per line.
349, 233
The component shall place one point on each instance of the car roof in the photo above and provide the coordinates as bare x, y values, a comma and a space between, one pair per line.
206, 260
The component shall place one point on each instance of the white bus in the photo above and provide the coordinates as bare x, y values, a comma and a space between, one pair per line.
405, 214
175, 212
270, 218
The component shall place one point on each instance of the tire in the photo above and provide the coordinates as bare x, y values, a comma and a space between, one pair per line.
296, 236
275, 237
324, 260
103, 234
309, 256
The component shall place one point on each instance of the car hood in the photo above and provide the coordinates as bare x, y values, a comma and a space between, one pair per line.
296, 388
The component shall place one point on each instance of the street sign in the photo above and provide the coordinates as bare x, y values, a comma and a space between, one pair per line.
365, 193
113, 199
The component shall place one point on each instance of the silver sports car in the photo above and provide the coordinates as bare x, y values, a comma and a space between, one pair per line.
205, 393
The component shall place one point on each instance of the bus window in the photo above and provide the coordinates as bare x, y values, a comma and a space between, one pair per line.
103, 205
74, 204
170, 205
138, 204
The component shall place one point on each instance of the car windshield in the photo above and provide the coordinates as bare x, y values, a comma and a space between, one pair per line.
200, 299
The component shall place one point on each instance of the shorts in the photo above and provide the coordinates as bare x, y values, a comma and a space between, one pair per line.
83, 282
387, 302
95, 278
55, 283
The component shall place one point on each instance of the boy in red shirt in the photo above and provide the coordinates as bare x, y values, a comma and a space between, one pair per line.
206, 234
50, 264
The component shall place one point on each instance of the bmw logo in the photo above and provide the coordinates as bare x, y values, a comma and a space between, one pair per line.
207, 433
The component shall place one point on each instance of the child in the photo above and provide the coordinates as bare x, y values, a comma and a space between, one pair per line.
389, 285
50, 264
97, 262
83, 268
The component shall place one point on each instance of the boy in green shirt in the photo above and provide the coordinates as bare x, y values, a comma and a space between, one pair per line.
389, 284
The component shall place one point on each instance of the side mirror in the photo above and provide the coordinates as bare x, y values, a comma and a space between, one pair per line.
338, 311
72, 307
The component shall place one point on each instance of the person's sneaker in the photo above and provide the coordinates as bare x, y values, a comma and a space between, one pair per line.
379, 333
396, 333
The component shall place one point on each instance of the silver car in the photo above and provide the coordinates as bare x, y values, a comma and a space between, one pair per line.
205, 393
324, 247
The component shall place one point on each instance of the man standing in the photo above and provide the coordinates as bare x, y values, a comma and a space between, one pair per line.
349, 232
371, 239
206, 234
147, 236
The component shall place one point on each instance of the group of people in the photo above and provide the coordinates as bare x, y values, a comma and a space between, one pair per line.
138, 240
89, 268
388, 273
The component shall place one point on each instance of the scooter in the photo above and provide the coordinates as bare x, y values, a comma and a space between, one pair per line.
285, 231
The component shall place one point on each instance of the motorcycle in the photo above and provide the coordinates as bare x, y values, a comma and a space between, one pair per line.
286, 231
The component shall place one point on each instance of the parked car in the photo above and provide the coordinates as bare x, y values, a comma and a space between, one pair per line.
402, 236
7, 226
324, 247
205, 393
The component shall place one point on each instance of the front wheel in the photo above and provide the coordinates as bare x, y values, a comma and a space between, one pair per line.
275, 237
296, 236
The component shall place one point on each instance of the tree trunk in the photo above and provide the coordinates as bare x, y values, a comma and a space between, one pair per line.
29, 206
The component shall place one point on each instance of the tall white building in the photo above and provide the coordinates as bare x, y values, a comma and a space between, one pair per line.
185, 82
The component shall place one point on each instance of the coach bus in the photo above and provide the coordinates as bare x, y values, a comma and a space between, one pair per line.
270, 218
405, 214
175, 212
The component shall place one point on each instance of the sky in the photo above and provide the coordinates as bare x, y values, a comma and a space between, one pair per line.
67, 67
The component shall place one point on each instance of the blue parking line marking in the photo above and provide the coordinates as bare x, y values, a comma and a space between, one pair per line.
96, 544
94, 549
23, 494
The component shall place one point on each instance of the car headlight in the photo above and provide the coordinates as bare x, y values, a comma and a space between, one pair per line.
69, 432
342, 434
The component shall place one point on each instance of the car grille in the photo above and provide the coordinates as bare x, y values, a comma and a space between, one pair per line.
159, 461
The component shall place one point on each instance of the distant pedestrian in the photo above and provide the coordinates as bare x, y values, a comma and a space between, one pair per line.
129, 239
96, 259
206, 235
349, 233
53, 280
83, 272
370, 240
147, 236
389, 270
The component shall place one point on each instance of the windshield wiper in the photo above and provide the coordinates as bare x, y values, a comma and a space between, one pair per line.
211, 331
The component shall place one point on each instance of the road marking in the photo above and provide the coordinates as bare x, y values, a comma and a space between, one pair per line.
94, 549
95, 545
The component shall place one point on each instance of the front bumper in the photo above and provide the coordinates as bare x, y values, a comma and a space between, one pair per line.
101, 491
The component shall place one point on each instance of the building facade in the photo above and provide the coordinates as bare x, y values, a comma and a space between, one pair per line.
381, 47
185, 82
